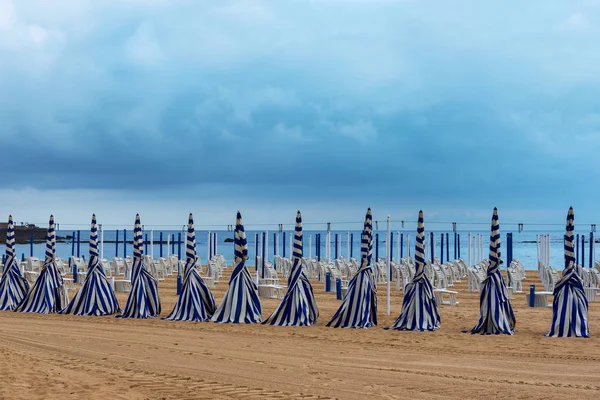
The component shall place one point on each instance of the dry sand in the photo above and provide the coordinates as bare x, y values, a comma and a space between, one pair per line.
67, 357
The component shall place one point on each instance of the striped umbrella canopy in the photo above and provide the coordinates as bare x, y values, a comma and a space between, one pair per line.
13, 286
419, 308
570, 306
96, 296
241, 303
48, 292
195, 303
496, 313
143, 300
359, 306
298, 307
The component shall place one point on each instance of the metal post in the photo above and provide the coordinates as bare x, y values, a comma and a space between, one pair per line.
348, 245
336, 246
116, 245
401, 245
124, 243
275, 243
458, 245
256, 257
447, 247
73, 244
376, 247
78, 243
283, 250
583, 251
160, 244
208, 246
152, 243
577, 252
263, 253
309, 247
351, 245
146, 244
432, 245
591, 249
442, 249
31, 245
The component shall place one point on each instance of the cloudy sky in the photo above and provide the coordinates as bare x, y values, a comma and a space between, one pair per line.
330, 106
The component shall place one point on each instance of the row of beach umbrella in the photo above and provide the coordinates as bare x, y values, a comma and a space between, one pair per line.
241, 303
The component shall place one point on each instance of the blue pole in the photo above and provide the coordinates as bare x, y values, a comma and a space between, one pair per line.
116, 245
160, 241
318, 244
351, 245
511, 248
391, 246
124, 243
336, 246
173, 244
402, 245
583, 251
442, 249
458, 244
146, 244
264, 253
432, 245
22, 256
74, 273
577, 252
73, 244
376, 247
283, 243
31, 245
179, 245
591, 249
455, 253
338, 289
255, 252
532, 296
447, 247
78, 243
328, 281
275, 244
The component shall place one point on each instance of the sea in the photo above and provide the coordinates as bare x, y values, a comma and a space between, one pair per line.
524, 245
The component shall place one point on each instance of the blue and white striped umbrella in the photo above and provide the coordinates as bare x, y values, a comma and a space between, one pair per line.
195, 303
95, 296
143, 300
240, 303
48, 293
570, 306
419, 308
496, 313
298, 307
13, 286
359, 307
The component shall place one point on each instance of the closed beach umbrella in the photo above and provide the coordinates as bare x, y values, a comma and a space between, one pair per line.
48, 293
419, 308
496, 313
13, 286
143, 300
240, 303
298, 307
570, 306
195, 303
95, 296
359, 306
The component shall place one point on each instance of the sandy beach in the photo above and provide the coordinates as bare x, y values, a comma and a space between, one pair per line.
67, 357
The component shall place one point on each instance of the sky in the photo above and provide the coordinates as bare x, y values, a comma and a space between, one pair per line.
169, 107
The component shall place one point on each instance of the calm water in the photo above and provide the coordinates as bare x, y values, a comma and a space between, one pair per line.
524, 247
